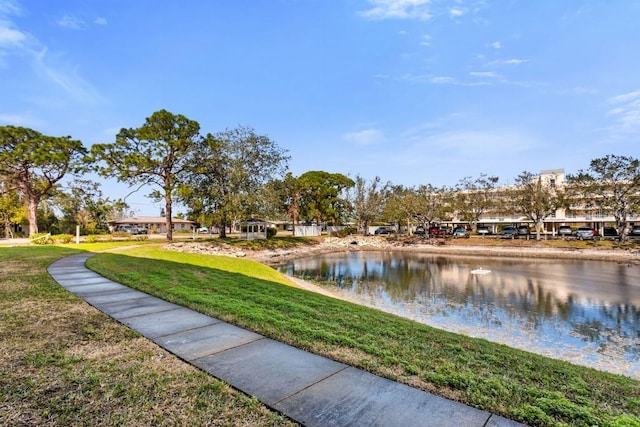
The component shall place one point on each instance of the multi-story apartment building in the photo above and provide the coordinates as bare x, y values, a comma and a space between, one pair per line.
577, 212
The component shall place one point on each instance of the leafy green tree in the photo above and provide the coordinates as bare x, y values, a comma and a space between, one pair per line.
83, 204
475, 197
321, 196
429, 204
613, 183
228, 173
154, 154
12, 210
534, 198
33, 165
397, 208
286, 194
368, 201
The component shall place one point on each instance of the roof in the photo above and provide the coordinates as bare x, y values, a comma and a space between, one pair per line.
149, 220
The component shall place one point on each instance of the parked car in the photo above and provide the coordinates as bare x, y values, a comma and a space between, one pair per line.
383, 230
508, 232
635, 232
524, 231
203, 230
434, 230
460, 232
442, 232
483, 231
565, 231
610, 233
586, 233
419, 231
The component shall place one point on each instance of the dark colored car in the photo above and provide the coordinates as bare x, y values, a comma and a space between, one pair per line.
524, 231
460, 232
508, 232
565, 231
383, 230
610, 233
586, 233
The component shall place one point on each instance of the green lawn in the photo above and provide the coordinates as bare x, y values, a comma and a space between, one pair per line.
62, 362
518, 385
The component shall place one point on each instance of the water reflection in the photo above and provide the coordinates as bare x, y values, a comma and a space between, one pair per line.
586, 312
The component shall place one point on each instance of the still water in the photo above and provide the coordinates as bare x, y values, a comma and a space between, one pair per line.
585, 312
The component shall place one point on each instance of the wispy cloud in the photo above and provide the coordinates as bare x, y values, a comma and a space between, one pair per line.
444, 80
496, 45
485, 74
364, 137
18, 45
100, 21
9, 36
398, 9
72, 22
625, 112
9, 7
514, 61
15, 119
456, 12
470, 143
65, 77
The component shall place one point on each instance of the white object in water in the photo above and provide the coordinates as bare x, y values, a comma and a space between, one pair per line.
480, 271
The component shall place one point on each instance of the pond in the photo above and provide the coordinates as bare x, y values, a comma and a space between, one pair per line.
585, 312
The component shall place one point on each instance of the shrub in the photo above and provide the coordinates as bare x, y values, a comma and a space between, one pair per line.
62, 238
271, 231
91, 238
41, 239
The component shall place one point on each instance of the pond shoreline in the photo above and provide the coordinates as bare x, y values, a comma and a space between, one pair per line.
445, 247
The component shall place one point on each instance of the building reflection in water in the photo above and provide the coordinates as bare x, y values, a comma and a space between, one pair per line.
586, 312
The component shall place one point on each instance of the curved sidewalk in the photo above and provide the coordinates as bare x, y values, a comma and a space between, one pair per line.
310, 389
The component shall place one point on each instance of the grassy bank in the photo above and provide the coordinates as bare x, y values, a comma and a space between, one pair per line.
64, 363
518, 385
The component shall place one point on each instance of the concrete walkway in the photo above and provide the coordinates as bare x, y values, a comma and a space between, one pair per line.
310, 389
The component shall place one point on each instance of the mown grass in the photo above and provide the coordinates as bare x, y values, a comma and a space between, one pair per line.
529, 388
64, 363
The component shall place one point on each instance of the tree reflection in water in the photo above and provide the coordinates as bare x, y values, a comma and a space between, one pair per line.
586, 312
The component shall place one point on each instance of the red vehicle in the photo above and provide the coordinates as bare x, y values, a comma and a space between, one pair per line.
438, 231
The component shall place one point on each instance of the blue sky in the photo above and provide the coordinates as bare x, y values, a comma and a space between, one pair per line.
413, 91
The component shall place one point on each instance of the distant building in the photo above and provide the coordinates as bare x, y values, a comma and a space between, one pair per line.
155, 224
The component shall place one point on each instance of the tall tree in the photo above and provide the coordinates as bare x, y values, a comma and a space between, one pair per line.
322, 196
287, 193
229, 171
82, 203
368, 201
429, 204
33, 164
534, 198
154, 154
12, 210
475, 197
398, 208
613, 184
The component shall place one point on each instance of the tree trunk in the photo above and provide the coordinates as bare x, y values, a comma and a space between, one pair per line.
32, 215
223, 226
168, 213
